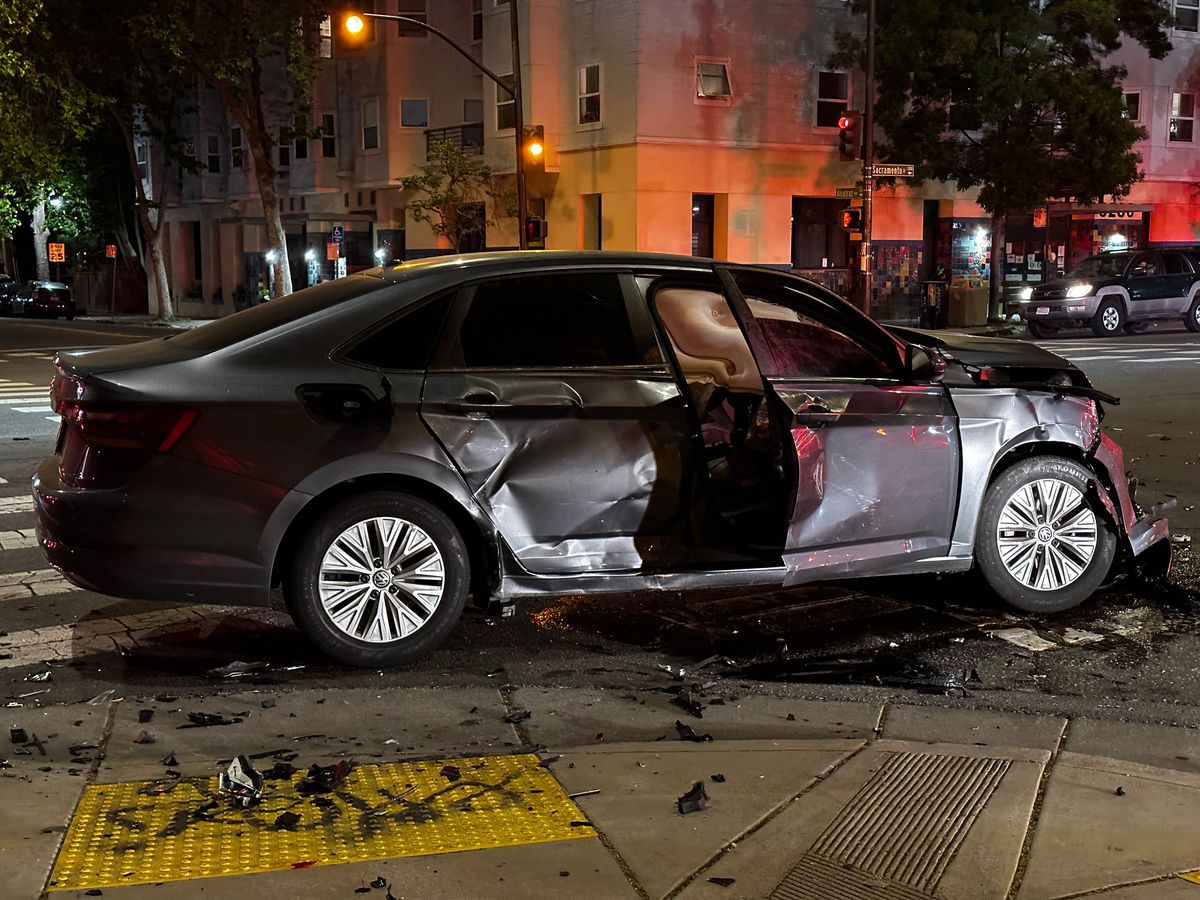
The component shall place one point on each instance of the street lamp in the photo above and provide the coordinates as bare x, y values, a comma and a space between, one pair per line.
380, 255
355, 23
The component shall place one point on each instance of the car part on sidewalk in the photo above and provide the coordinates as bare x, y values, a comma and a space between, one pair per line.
242, 781
693, 800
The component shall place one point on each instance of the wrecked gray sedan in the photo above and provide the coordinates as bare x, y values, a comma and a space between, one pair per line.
386, 446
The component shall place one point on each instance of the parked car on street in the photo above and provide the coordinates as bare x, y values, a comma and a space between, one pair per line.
8, 290
1115, 291
43, 298
387, 445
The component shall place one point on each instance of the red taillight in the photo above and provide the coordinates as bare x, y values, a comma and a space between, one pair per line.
129, 427
65, 389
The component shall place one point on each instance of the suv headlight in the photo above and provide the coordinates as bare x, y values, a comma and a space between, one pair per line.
1079, 290
1025, 294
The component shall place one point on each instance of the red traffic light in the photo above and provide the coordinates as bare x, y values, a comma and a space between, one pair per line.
844, 121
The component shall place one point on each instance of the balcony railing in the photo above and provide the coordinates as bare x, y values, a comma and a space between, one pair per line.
468, 137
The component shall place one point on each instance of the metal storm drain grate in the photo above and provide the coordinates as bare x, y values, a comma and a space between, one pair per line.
150, 831
898, 834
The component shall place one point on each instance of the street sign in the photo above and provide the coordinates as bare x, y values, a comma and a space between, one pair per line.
333, 251
893, 170
339, 234
110, 251
848, 193
58, 253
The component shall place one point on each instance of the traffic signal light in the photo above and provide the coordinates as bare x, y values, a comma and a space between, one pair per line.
852, 219
352, 27
850, 135
534, 148
535, 230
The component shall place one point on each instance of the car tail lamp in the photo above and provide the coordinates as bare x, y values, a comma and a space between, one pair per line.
129, 428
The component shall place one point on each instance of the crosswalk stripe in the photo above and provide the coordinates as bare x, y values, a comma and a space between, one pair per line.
38, 583
27, 398
18, 540
15, 505
62, 642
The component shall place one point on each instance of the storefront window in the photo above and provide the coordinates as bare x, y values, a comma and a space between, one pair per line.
970, 248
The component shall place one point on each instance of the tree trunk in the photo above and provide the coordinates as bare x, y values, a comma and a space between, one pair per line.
158, 266
998, 259
40, 236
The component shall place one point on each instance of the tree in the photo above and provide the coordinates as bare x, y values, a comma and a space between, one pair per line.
261, 59
450, 191
1012, 97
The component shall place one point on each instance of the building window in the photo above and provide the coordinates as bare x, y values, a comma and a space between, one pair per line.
501, 3
477, 20
328, 136
712, 80
703, 206
414, 9
414, 113
370, 124
1187, 15
1133, 105
325, 38
506, 112
300, 139
213, 164
833, 97
1183, 115
285, 149
589, 94
143, 156
236, 151
472, 111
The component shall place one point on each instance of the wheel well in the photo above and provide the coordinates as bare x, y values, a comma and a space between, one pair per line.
1036, 448
481, 551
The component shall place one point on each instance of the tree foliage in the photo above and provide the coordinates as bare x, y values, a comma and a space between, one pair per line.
451, 186
1014, 97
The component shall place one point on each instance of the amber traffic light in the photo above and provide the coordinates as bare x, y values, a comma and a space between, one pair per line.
534, 147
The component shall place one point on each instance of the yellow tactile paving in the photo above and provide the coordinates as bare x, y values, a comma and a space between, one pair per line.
150, 831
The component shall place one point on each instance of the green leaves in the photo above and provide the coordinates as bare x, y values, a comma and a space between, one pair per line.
450, 187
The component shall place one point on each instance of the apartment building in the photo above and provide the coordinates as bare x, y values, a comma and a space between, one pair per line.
689, 126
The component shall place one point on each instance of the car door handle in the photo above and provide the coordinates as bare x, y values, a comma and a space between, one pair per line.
477, 402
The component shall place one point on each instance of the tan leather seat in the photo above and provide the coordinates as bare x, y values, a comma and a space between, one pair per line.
708, 342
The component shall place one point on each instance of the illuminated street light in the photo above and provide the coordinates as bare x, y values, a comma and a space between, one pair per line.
271, 256
380, 255
310, 255
355, 24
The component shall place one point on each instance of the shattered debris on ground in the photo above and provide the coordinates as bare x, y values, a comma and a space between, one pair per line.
242, 781
324, 779
694, 800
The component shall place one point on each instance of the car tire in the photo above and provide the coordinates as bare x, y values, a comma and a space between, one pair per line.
1038, 330
1108, 319
370, 623
1192, 319
1030, 561
69, 315
1136, 327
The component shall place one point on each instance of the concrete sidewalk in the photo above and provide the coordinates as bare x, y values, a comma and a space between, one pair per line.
805, 799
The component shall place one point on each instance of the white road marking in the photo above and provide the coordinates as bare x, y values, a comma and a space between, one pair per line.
15, 505
29, 409
62, 642
18, 540
27, 398
3, 480
39, 583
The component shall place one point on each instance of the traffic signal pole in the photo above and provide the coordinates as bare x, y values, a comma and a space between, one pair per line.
514, 91
867, 263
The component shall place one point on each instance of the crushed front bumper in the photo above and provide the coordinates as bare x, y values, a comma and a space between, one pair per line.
1138, 532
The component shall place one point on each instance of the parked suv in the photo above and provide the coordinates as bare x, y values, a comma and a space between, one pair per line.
1119, 290
44, 298
386, 445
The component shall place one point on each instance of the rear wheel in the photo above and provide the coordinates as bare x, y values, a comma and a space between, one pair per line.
1038, 330
379, 579
1043, 545
1192, 319
1108, 319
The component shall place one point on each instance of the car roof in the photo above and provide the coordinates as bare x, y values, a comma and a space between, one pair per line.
534, 259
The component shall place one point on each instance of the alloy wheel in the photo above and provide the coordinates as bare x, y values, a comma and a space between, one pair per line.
1111, 318
1047, 534
381, 580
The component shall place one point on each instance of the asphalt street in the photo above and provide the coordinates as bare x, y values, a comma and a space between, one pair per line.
1132, 653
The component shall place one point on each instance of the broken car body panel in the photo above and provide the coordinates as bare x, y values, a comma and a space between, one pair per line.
688, 463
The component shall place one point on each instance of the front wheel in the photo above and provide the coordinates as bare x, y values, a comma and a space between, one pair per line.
1038, 330
1192, 319
380, 579
1043, 545
1108, 319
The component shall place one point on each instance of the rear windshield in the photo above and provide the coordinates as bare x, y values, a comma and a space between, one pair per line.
1101, 267
230, 330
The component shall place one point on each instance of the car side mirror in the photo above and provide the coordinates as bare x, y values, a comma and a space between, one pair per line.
922, 366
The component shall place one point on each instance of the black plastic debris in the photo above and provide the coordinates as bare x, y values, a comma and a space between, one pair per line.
687, 733
236, 669
18, 735
40, 677
379, 882
362, 890
281, 771
145, 715
721, 881
517, 715
94, 892
718, 778
268, 703
450, 773
205, 720
694, 800
242, 781
286, 821
5, 764
170, 760
690, 703
1120, 791
323, 779
144, 737
791, 717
